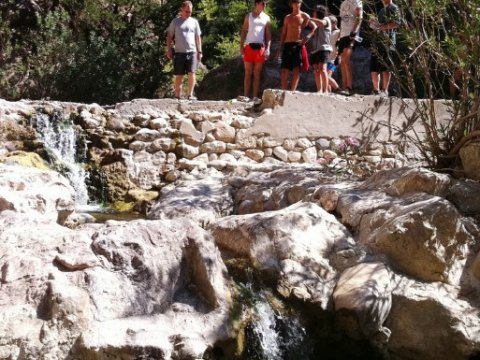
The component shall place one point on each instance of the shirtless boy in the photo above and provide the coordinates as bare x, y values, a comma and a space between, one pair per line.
292, 42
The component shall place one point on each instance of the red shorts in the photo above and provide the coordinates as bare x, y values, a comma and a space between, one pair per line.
255, 56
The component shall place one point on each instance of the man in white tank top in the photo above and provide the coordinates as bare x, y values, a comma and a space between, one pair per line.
255, 39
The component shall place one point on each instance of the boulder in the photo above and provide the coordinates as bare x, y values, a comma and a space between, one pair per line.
423, 237
26, 190
431, 321
202, 200
293, 245
470, 156
365, 289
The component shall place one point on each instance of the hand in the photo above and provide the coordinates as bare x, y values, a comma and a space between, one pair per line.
199, 55
266, 53
169, 54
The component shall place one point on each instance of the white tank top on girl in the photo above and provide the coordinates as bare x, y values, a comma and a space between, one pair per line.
256, 28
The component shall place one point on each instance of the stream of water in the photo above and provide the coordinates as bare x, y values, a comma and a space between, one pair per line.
273, 336
61, 142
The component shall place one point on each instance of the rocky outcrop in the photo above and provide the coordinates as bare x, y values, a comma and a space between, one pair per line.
45, 193
366, 290
145, 144
393, 259
203, 199
103, 289
292, 245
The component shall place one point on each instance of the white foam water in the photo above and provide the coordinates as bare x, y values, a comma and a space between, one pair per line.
60, 138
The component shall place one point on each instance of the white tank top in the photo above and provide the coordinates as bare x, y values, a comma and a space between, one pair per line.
256, 28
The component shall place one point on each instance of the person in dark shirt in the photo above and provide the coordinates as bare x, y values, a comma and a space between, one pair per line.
383, 44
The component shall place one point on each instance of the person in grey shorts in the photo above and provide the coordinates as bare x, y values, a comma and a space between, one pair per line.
321, 47
184, 31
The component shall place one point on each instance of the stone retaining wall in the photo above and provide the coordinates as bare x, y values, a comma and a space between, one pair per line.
149, 142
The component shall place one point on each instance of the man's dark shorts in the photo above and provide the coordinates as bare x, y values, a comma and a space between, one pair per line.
380, 58
184, 63
346, 42
291, 56
320, 57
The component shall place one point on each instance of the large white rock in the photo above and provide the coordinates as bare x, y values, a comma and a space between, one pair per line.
423, 237
25, 190
203, 199
432, 321
294, 243
365, 289
162, 280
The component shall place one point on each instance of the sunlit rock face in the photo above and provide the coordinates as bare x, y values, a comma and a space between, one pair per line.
389, 260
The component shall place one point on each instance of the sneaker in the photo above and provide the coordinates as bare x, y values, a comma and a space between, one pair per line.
345, 92
243, 98
191, 98
384, 93
376, 92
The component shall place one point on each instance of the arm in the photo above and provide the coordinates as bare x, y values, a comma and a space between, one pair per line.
198, 42
169, 53
268, 39
308, 22
319, 22
243, 34
389, 26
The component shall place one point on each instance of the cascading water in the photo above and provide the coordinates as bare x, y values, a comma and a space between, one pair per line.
271, 336
60, 140
264, 330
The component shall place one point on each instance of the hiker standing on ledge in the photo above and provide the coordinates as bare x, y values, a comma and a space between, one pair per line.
351, 13
257, 36
292, 43
185, 32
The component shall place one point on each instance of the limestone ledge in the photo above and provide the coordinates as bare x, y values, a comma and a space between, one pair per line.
355, 134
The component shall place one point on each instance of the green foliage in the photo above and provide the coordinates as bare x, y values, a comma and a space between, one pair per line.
87, 51
438, 59
221, 21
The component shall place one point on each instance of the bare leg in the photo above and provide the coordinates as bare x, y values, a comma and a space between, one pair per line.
323, 78
316, 76
375, 81
332, 84
257, 73
295, 78
386, 75
178, 85
346, 67
284, 79
247, 80
191, 83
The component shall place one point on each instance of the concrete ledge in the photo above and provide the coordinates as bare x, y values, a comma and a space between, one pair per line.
145, 106
299, 114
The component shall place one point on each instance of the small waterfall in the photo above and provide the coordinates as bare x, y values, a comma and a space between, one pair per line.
265, 330
272, 336
60, 140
